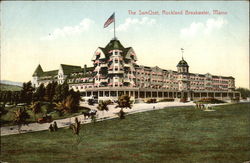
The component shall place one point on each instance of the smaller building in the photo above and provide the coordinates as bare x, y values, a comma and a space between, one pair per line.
75, 76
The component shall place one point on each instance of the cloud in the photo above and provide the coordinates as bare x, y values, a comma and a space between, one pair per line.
129, 22
203, 28
69, 30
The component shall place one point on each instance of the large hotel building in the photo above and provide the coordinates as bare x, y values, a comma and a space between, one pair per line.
115, 72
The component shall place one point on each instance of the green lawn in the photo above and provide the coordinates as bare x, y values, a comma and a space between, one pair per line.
177, 135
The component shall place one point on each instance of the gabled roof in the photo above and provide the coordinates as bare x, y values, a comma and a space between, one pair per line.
67, 69
88, 69
38, 71
227, 77
50, 73
114, 45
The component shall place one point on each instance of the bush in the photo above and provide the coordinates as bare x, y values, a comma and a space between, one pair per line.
108, 102
3, 111
183, 100
166, 100
210, 100
91, 101
47, 108
121, 114
236, 99
151, 100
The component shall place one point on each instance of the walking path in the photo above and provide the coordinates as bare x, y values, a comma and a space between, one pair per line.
112, 113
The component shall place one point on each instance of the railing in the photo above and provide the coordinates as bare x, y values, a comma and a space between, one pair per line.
116, 72
126, 80
103, 80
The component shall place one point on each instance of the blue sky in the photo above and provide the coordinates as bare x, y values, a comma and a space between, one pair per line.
51, 33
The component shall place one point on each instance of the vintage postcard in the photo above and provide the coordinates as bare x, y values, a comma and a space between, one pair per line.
131, 81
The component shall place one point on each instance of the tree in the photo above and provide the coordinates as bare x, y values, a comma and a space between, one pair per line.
50, 91
16, 97
27, 92
103, 106
53, 91
9, 96
61, 107
3, 111
65, 90
20, 117
47, 96
244, 92
39, 93
36, 108
123, 102
58, 93
76, 96
76, 127
4, 97
68, 105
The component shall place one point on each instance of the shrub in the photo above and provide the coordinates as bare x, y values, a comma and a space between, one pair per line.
91, 101
166, 100
121, 114
108, 102
151, 100
236, 99
183, 100
210, 100
3, 111
123, 102
76, 127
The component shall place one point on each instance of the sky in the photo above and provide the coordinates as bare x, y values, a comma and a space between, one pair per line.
64, 32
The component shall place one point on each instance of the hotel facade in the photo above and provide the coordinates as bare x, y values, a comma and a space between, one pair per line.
115, 72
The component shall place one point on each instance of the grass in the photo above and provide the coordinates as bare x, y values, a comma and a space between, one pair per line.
173, 135
6, 87
7, 119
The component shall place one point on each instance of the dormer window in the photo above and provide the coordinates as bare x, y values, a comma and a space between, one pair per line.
116, 53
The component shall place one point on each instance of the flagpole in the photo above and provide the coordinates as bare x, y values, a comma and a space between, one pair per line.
114, 25
182, 50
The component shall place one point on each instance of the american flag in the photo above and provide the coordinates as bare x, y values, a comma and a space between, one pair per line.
110, 20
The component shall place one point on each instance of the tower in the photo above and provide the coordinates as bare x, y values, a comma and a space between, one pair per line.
183, 74
114, 65
182, 66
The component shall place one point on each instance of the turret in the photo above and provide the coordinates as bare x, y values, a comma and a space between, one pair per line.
182, 66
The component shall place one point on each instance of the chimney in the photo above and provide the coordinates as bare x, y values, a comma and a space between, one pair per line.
85, 69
